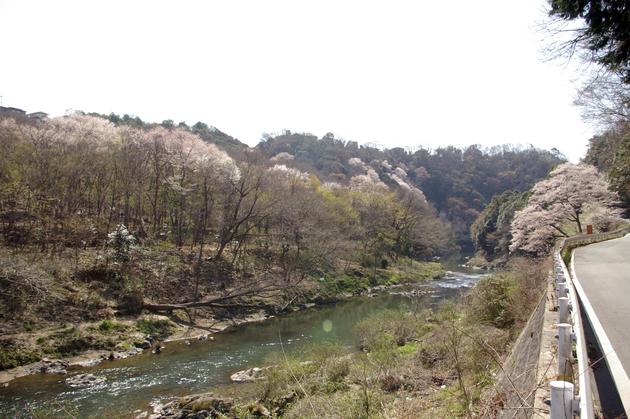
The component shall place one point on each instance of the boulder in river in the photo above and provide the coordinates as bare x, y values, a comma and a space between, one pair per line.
84, 380
246, 376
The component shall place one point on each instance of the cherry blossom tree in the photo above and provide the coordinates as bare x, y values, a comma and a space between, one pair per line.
557, 204
368, 182
121, 242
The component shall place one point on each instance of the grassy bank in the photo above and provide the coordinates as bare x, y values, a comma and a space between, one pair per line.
430, 364
66, 304
359, 280
70, 340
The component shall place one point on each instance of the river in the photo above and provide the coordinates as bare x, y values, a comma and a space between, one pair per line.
130, 384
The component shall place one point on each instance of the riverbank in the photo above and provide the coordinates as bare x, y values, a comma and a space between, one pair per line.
438, 362
89, 343
145, 342
188, 368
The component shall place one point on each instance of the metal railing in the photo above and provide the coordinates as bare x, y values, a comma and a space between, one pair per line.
567, 400
564, 402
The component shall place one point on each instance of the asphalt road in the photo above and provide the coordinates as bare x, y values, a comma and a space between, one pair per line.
603, 270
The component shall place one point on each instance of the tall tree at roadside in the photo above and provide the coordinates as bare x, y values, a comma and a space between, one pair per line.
558, 203
610, 153
604, 31
619, 174
598, 32
605, 99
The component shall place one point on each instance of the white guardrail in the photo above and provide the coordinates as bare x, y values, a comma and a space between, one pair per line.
567, 400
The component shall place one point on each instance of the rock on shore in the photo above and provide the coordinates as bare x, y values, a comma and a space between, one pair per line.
195, 406
49, 366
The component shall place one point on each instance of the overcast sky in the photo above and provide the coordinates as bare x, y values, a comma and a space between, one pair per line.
394, 73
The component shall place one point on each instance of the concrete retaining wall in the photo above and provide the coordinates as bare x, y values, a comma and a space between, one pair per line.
513, 394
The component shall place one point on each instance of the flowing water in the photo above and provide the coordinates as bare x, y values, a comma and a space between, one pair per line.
130, 384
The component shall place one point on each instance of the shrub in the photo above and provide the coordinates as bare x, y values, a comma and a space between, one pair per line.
356, 403
121, 241
337, 369
132, 301
530, 277
21, 283
107, 326
74, 345
160, 328
490, 302
408, 348
68, 342
346, 284
505, 299
12, 356
400, 326
390, 383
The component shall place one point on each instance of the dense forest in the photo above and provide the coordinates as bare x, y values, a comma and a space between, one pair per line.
111, 201
458, 182
595, 192
107, 197
206, 132
490, 233
610, 153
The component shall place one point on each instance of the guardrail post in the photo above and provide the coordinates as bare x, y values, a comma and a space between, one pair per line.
563, 310
565, 349
562, 289
561, 400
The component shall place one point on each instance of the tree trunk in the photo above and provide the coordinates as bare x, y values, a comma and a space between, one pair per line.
577, 221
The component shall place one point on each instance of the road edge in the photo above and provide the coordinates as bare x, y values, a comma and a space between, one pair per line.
622, 382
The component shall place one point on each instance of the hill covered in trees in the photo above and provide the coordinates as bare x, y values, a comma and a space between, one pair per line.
610, 153
106, 223
561, 205
206, 132
293, 209
125, 216
458, 182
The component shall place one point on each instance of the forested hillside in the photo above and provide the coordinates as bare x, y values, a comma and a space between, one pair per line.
490, 233
128, 216
204, 131
116, 234
108, 198
458, 182
561, 205
610, 153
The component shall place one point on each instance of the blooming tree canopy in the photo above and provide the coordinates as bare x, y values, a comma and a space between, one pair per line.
559, 200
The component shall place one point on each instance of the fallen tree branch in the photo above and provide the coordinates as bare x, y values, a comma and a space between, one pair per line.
217, 302
193, 304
